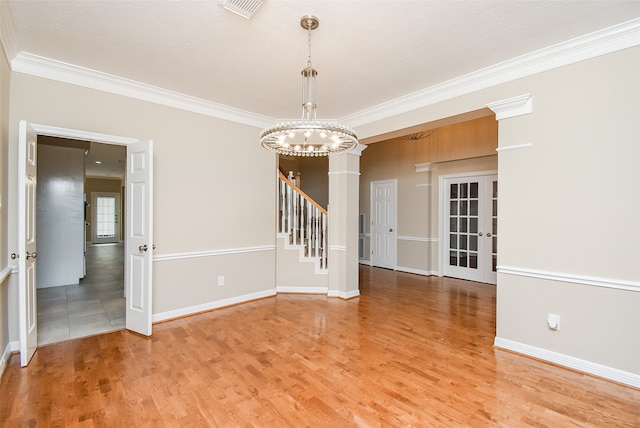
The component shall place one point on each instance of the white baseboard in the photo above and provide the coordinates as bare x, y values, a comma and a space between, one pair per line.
417, 271
343, 294
365, 262
11, 348
303, 290
192, 310
596, 369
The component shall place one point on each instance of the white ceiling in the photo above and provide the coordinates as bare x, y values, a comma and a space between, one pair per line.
366, 52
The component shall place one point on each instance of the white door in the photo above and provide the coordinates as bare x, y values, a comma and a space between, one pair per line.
470, 215
28, 324
105, 218
139, 236
383, 223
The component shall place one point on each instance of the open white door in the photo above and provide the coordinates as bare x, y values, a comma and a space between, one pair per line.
139, 236
27, 153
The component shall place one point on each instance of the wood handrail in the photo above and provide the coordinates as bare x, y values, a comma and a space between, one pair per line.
299, 190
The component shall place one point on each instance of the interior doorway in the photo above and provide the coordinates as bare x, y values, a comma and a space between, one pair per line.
95, 303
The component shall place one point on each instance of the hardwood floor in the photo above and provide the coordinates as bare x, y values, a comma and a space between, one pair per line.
410, 351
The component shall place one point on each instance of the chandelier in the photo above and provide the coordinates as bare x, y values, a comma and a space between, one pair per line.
308, 136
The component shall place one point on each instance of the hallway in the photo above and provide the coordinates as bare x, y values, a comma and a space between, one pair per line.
94, 306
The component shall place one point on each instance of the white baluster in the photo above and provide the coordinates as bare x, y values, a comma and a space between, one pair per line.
283, 212
289, 211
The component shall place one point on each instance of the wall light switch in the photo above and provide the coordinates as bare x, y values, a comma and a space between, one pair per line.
220, 280
553, 321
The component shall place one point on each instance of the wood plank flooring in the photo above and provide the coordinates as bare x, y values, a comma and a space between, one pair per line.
410, 351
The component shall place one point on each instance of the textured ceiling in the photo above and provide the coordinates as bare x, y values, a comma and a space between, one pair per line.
366, 52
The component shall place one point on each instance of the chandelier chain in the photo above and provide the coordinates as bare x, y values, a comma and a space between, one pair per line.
309, 45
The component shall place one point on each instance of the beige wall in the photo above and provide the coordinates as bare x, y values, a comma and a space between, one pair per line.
214, 188
6, 298
567, 217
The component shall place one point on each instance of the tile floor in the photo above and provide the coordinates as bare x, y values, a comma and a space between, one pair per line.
94, 306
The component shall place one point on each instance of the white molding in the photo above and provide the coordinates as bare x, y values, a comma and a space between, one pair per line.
212, 253
35, 65
343, 294
365, 262
612, 39
416, 238
343, 173
619, 284
417, 271
423, 167
514, 147
4, 273
337, 248
6, 355
192, 310
76, 134
357, 150
512, 107
423, 185
303, 290
570, 362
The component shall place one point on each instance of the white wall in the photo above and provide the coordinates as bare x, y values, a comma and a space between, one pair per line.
60, 216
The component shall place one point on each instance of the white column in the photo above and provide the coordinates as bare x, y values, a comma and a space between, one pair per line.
344, 188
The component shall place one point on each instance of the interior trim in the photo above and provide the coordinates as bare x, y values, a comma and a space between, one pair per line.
612, 39
212, 253
35, 65
217, 304
570, 362
619, 284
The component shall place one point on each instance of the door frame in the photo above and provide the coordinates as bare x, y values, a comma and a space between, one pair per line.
75, 134
394, 240
442, 200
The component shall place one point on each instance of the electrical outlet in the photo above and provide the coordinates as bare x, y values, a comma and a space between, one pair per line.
553, 321
221, 280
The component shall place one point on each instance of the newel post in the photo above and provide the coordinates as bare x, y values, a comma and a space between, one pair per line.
344, 190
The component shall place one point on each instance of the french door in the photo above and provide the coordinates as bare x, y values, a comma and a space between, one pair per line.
470, 215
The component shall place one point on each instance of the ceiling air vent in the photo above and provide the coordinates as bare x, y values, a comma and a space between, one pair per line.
244, 8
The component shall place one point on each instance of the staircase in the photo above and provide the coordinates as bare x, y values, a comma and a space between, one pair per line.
302, 225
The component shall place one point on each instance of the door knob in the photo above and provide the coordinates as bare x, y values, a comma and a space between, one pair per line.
14, 256
143, 247
153, 246
390, 230
479, 233
489, 235
31, 255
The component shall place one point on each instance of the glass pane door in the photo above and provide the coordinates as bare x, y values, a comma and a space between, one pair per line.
471, 213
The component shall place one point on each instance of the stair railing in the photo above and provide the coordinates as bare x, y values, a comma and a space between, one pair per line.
303, 220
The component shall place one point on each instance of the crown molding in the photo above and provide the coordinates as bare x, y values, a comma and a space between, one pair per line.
598, 43
68, 73
608, 40
7, 32
512, 107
